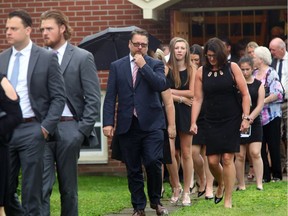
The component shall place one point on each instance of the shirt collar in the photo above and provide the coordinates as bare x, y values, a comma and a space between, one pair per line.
25, 51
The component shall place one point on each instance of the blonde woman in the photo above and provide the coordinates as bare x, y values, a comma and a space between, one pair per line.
181, 78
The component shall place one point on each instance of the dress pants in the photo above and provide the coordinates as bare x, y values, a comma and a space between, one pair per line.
26, 152
62, 153
143, 147
271, 137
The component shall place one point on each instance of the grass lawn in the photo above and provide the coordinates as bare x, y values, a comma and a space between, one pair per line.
100, 195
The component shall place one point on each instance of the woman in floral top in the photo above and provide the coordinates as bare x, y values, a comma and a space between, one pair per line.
271, 113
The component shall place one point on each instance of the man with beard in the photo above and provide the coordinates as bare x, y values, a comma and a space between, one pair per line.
81, 110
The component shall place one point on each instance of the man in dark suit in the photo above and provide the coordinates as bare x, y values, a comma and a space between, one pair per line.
40, 86
81, 111
135, 82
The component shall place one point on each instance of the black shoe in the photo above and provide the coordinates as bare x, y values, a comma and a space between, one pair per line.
138, 212
217, 200
200, 193
260, 189
209, 197
276, 179
266, 180
238, 189
160, 210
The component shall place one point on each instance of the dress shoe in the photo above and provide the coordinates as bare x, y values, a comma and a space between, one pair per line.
276, 179
138, 212
177, 193
266, 180
240, 189
200, 193
209, 197
160, 210
217, 199
260, 189
186, 200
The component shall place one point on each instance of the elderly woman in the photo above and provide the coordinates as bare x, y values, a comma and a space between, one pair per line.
11, 116
224, 117
271, 113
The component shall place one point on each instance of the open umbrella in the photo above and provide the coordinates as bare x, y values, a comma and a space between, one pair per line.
112, 44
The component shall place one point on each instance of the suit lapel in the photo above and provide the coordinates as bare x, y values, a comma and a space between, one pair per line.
5, 61
66, 58
32, 62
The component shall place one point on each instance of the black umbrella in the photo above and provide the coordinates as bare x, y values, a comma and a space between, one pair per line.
112, 44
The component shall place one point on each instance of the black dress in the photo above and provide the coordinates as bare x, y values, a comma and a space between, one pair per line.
182, 111
11, 116
223, 113
256, 127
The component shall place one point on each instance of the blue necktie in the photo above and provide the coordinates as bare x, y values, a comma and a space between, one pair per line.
15, 71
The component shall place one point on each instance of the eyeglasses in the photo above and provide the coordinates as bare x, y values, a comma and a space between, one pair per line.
143, 45
210, 56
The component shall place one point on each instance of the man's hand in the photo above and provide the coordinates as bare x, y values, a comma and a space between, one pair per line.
108, 131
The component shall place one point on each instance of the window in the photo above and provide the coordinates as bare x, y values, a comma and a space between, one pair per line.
99, 153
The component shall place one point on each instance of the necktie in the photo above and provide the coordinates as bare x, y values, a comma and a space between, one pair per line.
15, 71
280, 69
134, 75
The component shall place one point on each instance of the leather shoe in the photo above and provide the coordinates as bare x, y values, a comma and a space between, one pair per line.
138, 212
217, 199
200, 193
160, 210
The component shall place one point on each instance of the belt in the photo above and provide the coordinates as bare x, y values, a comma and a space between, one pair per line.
32, 119
66, 118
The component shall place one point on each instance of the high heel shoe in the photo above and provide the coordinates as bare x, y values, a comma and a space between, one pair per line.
200, 193
177, 192
218, 199
186, 200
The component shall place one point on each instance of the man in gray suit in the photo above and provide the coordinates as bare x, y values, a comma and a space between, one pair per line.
40, 86
81, 111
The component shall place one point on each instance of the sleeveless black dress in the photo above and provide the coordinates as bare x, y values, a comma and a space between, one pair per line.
256, 127
223, 113
182, 111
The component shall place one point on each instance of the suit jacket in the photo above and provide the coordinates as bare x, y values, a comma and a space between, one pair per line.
45, 85
82, 89
145, 96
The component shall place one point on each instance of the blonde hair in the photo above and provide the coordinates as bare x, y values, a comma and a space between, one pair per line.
172, 63
159, 54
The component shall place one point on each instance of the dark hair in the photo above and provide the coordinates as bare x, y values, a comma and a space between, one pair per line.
60, 18
196, 49
246, 59
139, 32
23, 15
216, 45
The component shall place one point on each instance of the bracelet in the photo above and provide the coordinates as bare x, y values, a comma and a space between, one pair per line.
180, 99
246, 118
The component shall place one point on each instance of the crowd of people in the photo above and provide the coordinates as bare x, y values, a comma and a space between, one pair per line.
195, 108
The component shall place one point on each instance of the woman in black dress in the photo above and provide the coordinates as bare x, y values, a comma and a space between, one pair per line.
10, 117
252, 143
205, 178
181, 79
224, 118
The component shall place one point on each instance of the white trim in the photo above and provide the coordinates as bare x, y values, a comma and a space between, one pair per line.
95, 156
